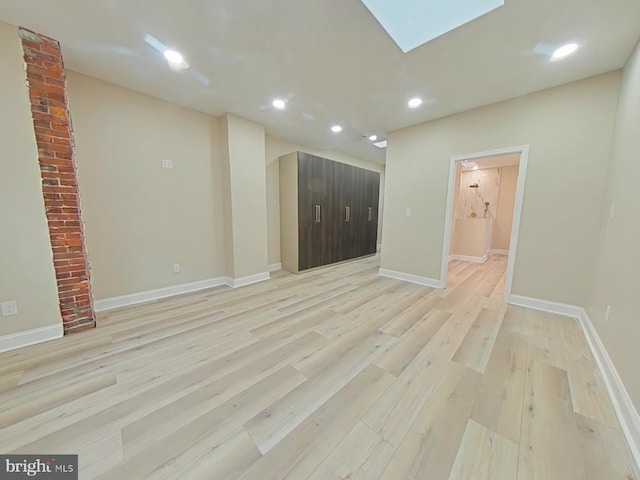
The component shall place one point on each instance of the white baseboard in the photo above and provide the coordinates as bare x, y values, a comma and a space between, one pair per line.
498, 251
547, 306
248, 280
408, 277
625, 410
141, 297
30, 337
274, 267
378, 247
467, 258
622, 404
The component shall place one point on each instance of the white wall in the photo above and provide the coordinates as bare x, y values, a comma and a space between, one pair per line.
618, 259
141, 218
569, 131
26, 261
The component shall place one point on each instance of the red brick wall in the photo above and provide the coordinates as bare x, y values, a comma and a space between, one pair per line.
54, 137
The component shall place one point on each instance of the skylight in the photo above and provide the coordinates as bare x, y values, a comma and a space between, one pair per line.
411, 23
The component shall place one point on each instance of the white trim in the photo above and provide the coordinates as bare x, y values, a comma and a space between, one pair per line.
498, 251
141, 297
408, 277
379, 247
523, 150
274, 267
30, 337
248, 280
467, 258
622, 404
515, 225
547, 306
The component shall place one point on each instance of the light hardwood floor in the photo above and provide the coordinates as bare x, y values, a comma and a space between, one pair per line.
331, 374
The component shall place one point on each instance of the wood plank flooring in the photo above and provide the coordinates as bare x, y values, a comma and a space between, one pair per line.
331, 374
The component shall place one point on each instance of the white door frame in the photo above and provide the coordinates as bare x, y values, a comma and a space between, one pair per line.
523, 150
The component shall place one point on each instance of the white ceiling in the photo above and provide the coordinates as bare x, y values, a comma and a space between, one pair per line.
330, 58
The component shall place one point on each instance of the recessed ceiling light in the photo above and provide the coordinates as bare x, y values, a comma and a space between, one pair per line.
564, 51
381, 144
336, 129
279, 104
174, 57
373, 138
415, 102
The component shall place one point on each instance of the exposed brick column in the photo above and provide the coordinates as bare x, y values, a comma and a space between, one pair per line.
54, 137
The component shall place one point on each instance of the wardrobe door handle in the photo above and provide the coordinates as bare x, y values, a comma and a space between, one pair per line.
317, 213
370, 216
347, 213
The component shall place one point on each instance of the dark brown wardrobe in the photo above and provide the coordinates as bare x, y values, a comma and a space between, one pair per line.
328, 211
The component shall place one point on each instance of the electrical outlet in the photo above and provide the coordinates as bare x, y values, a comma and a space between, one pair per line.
176, 268
9, 308
606, 313
167, 163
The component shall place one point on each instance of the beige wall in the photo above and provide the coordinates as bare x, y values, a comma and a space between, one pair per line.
275, 148
289, 225
26, 265
142, 218
618, 260
245, 141
225, 176
273, 211
505, 206
569, 131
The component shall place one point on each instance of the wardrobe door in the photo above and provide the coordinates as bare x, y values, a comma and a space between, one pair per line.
323, 252
346, 213
315, 199
372, 206
337, 213
359, 217
308, 198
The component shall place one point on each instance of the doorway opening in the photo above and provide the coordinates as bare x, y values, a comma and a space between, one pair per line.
483, 209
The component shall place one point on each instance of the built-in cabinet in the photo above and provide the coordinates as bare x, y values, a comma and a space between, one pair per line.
328, 211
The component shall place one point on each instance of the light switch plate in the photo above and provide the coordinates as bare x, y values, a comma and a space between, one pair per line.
167, 163
9, 308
